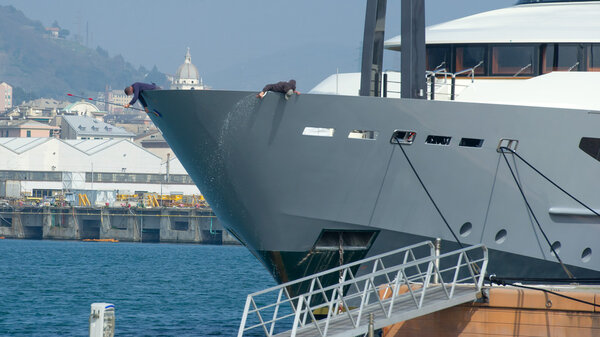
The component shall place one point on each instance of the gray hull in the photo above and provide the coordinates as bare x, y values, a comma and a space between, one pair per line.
277, 190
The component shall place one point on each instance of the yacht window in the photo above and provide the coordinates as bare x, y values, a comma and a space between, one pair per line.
438, 140
560, 57
471, 142
318, 132
362, 134
438, 57
591, 146
469, 57
594, 58
403, 137
512, 60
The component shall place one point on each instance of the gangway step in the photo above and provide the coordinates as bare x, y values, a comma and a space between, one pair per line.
436, 301
417, 282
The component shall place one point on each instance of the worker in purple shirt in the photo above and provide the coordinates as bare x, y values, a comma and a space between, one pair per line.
288, 88
135, 90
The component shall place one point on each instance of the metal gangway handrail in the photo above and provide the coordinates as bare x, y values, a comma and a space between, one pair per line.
384, 291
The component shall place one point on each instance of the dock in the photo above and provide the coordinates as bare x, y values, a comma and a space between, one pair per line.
511, 311
423, 294
127, 224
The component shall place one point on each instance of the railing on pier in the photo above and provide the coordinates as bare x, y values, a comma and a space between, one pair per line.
411, 287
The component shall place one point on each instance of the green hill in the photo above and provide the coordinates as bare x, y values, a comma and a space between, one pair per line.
37, 65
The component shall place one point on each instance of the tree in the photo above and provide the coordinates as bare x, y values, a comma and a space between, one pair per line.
20, 96
63, 33
102, 52
155, 76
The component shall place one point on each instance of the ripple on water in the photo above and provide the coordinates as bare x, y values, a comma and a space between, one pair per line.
158, 289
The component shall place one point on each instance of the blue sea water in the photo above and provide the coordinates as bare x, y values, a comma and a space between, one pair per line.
46, 287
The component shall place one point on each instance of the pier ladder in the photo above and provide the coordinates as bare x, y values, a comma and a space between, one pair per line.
396, 286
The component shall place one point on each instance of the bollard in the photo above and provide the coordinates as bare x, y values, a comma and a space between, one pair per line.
371, 326
438, 247
102, 320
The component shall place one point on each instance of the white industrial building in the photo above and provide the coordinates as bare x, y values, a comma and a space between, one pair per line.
45, 165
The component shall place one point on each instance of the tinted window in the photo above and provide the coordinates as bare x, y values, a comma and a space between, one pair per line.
470, 56
594, 57
438, 57
591, 146
511, 60
557, 57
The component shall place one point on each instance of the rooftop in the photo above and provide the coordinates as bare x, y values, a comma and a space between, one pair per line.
91, 146
25, 124
86, 126
87, 146
45, 103
20, 145
551, 22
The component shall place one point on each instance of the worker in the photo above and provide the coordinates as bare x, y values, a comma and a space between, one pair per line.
288, 88
135, 90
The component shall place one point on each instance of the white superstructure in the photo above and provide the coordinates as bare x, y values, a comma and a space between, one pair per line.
541, 54
560, 22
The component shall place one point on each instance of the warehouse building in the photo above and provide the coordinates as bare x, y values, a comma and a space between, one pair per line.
44, 166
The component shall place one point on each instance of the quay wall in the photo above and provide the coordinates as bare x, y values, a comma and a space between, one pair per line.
512, 312
175, 225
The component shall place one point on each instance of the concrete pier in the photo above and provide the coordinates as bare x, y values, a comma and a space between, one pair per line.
176, 225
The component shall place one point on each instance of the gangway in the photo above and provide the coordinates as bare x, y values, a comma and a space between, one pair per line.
416, 283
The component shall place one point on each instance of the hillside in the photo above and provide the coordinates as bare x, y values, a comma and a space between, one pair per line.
36, 65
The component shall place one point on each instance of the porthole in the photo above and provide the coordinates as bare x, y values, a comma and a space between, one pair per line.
501, 236
465, 229
586, 255
555, 247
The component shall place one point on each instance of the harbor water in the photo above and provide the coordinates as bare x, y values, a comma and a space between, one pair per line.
46, 287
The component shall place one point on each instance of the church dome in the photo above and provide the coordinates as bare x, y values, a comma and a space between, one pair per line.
187, 70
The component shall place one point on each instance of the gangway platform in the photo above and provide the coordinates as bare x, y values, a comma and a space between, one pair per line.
396, 286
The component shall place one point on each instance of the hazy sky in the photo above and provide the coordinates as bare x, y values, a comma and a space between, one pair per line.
232, 41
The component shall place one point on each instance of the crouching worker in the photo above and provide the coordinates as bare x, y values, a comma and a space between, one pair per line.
288, 88
135, 90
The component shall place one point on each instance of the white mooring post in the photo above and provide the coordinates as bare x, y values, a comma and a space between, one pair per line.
102, 320
438, 250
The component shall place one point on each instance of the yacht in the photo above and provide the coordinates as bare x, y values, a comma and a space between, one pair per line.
331, 177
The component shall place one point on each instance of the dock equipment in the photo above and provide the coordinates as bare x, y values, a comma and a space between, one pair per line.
83, 200
153, 202
403, 290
